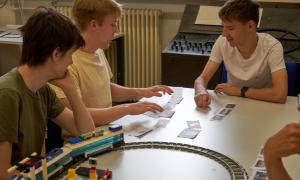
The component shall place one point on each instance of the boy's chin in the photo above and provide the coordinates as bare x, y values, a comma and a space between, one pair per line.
231, 44
61, 76
106, 45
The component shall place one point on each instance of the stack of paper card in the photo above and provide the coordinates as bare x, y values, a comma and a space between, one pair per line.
176, 97
192, 131
223, 112
161, 123
168, 112
140, 129
259, 169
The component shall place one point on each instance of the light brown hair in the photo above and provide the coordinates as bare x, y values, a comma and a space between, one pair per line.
83, 11
240, 10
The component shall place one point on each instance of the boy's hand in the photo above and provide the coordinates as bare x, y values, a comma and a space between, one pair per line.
65, 83
202, 99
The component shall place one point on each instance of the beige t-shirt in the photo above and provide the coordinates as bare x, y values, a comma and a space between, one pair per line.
92, 75
255, 71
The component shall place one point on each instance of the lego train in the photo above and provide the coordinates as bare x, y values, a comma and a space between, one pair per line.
74, 151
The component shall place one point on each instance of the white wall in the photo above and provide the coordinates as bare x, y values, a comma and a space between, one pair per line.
172, 12
7, 16
171, 16
10, 14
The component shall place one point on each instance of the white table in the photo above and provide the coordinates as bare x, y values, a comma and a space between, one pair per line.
239, 136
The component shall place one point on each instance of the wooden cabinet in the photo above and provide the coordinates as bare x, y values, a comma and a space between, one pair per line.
183, 69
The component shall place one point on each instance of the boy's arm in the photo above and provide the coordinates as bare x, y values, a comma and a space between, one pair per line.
5, 155
103, 116
79, 121
202, 98
282, 144
121, 93
276, 93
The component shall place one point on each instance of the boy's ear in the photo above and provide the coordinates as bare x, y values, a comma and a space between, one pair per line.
93, 24
252, 25
55, 54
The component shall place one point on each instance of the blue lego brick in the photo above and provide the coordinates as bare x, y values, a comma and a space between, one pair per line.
115, 127
75, 140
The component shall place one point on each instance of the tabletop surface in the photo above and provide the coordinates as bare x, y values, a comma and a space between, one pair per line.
238, 136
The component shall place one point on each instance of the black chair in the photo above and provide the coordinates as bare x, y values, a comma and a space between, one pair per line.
223, 74
54, 139
291, 68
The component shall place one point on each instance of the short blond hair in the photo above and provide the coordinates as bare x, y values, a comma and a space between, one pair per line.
83, 11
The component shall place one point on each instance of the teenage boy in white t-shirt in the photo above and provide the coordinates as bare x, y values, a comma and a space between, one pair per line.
254, 61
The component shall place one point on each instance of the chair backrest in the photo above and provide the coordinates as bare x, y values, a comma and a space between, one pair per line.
223, 74
291, 71
54, 139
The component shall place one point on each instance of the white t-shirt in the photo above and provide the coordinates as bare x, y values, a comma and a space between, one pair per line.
252, 72
92, 75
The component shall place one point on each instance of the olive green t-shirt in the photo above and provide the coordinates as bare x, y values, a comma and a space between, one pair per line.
24, 114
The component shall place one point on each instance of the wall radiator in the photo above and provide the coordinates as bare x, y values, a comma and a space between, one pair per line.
142, 45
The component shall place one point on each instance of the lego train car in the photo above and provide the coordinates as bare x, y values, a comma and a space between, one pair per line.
75, 150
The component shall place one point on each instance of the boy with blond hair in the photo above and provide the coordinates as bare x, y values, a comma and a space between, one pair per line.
97, 21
